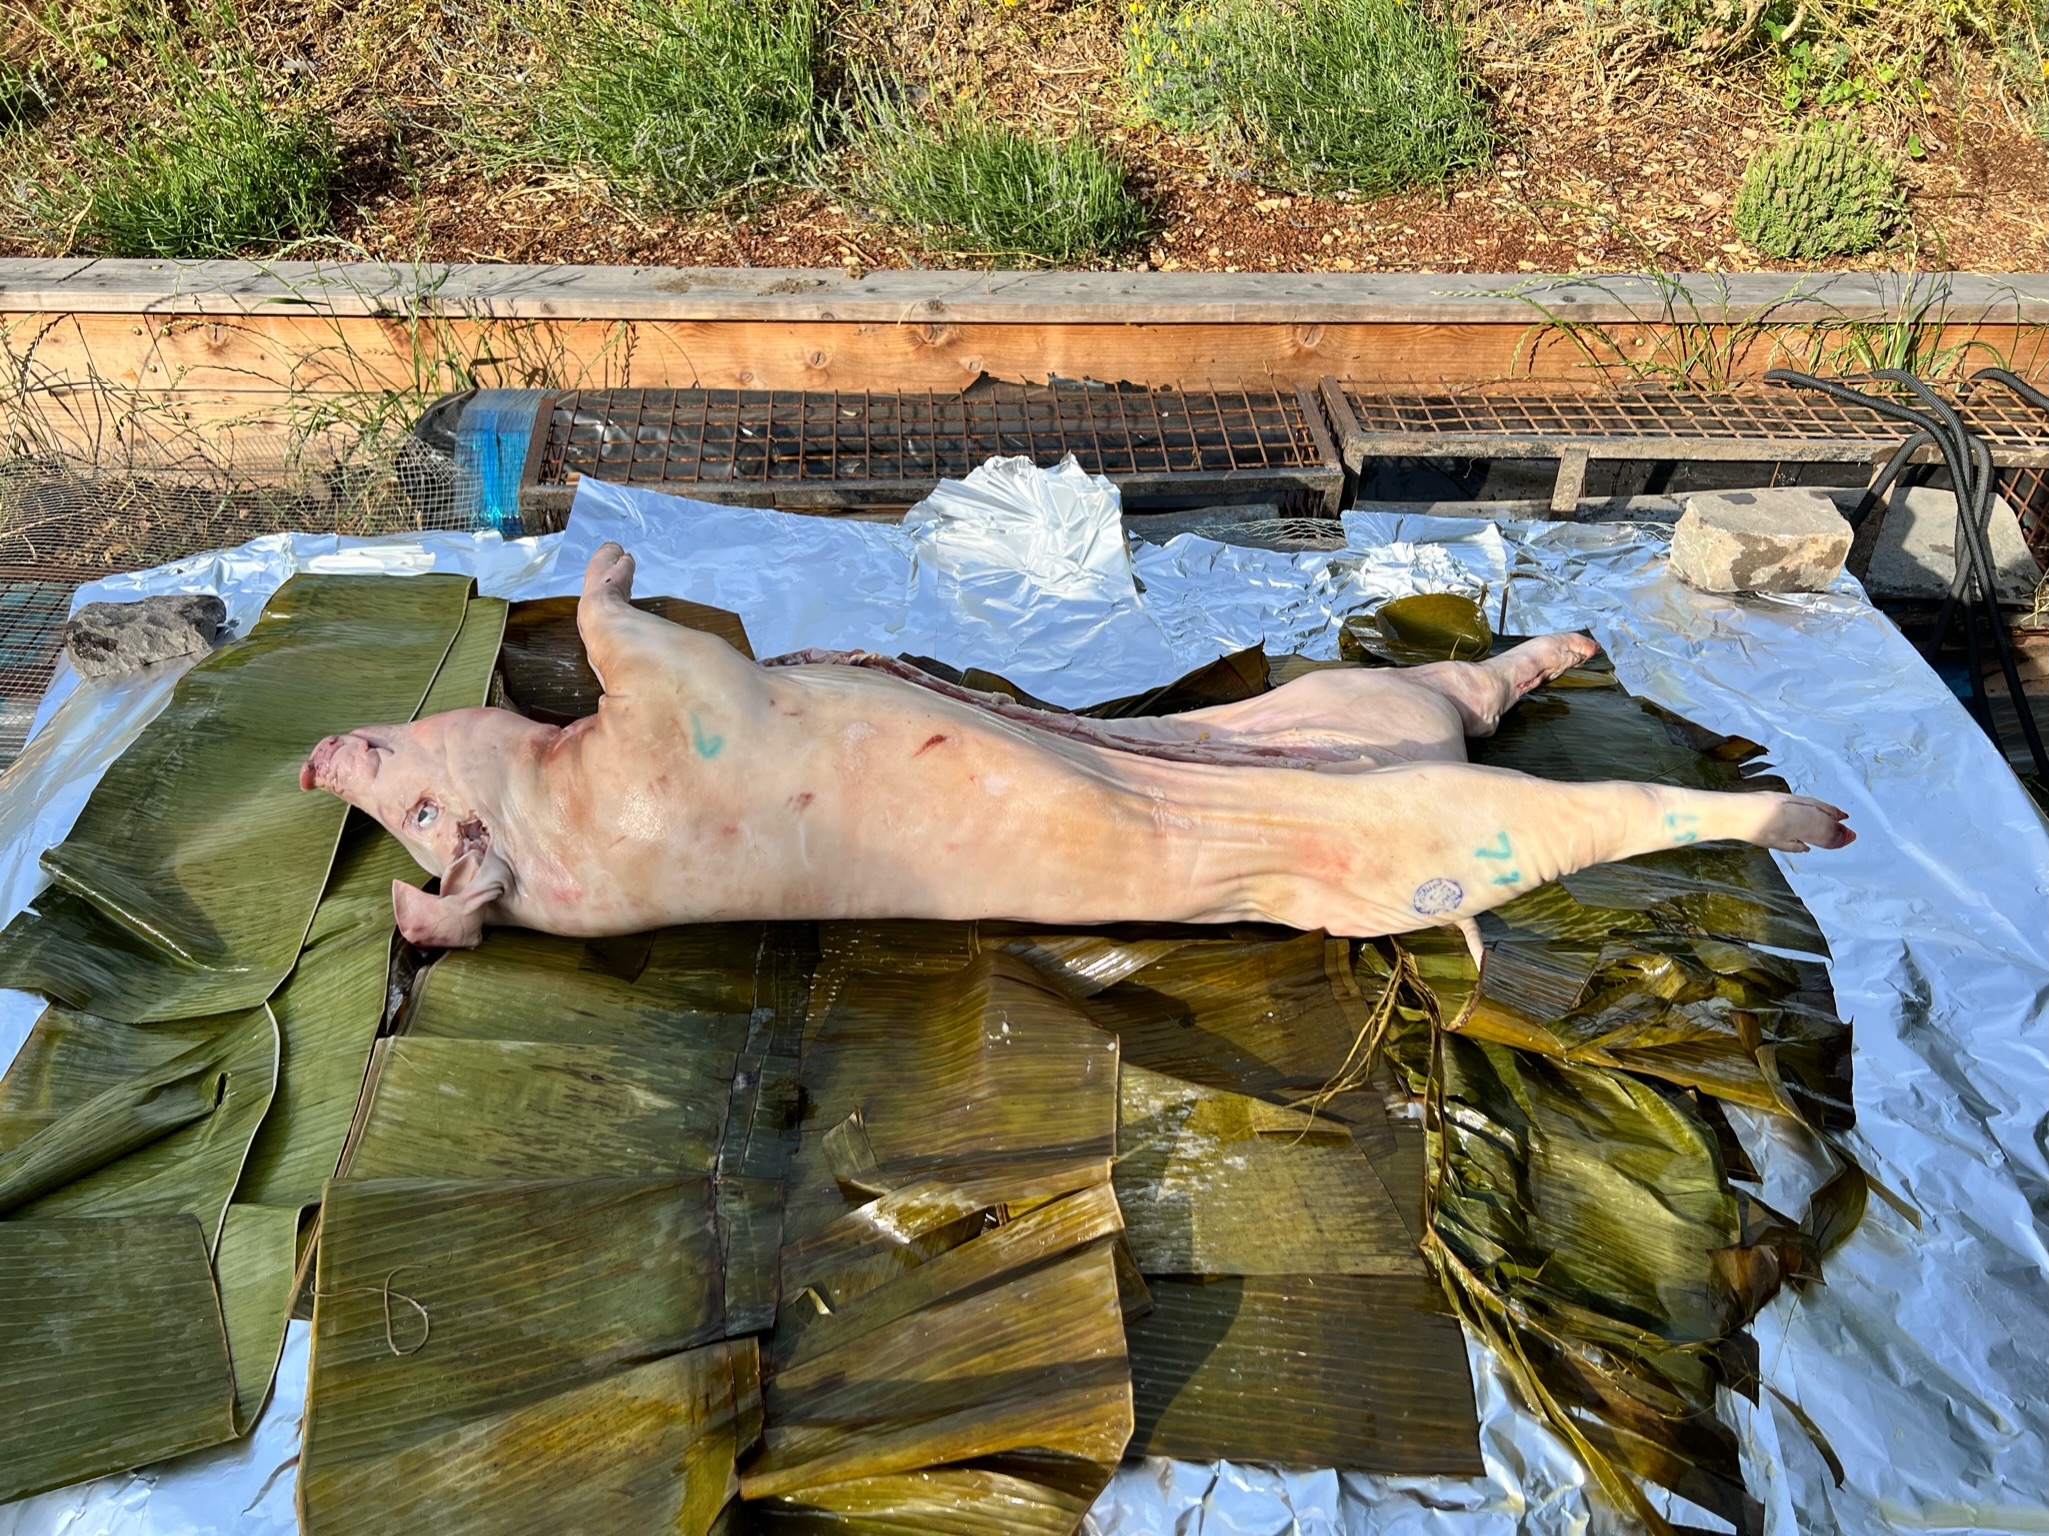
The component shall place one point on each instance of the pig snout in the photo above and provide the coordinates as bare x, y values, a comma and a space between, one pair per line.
333, 763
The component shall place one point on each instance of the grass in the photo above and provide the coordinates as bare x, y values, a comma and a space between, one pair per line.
1364, 97
22, 97
681, 103
998, 192
231, 174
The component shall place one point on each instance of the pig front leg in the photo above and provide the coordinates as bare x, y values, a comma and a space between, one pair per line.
1445, 842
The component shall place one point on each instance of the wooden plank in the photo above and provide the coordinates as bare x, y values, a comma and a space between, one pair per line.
925, 296
416, 358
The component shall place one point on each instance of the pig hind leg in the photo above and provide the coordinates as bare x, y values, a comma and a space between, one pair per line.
1483, 691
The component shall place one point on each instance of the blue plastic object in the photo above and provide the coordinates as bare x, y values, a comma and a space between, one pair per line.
492, 439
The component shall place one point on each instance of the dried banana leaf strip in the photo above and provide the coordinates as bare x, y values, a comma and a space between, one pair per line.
1364, 1374
256, 1269
328, 1013
444, 1303
547, 673
648, 1448
1584, 1215
191, 1170
973, 1360
196, 865
519, 1109
112, 1352
1216, 1183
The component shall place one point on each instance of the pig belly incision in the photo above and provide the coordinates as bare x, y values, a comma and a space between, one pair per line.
840, 784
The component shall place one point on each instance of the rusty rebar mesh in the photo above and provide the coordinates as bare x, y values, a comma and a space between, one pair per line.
1763, 413
64, 522
841, 438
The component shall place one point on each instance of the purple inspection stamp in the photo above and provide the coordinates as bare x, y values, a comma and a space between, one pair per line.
1440, 895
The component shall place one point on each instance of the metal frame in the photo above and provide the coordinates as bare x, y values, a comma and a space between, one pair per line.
829, 449
1660, 426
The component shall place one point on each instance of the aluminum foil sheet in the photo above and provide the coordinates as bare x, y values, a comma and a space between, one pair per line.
1922, 1359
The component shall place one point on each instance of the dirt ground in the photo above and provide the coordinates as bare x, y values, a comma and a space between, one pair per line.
1611, 159
1593, 175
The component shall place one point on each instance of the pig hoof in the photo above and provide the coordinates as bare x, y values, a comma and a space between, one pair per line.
610, 570
1537, 661
1797, 824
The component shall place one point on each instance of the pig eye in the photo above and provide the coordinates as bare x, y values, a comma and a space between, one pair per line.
425, 814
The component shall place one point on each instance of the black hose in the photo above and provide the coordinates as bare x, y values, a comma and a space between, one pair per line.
1874, 493
1971, 473
2018, 385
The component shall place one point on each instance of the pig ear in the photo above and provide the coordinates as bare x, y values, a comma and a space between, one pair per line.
435, 922
455, 918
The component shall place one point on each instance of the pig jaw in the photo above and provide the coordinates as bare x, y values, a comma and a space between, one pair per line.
341, 765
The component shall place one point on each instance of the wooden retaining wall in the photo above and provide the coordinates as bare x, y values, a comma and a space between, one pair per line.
153, 361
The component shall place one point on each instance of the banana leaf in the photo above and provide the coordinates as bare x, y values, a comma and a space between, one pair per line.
1216, 1183
1279, 1018
982, 1069
648, 1448
464, 679
1360, 1373
519, 1109
443, 1304
256, 1269
1430, 626
191, 1169
1006, 1352
328, 1013
945, 1501
1227, 680
690, 983
112, 1352
190, 880
549, 677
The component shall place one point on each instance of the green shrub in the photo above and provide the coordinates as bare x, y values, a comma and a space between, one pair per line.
1366, 96
997, 192
1824, 192
231, 174
22, 98
682, 103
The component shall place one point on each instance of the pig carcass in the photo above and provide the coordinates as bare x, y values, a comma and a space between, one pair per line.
708, 787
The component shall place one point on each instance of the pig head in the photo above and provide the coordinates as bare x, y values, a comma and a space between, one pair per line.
439, 786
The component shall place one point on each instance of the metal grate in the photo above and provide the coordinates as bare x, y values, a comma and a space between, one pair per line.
803, 448
1760, 423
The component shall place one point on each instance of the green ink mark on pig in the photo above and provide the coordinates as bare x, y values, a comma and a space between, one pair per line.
707, 746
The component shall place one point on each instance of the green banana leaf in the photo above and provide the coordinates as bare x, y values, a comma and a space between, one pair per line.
1216, 1183
464, 679
648, 1448
944, 1501
983, 1069
192, 1169
547, 674
256, 1269
519, 1109
1227, 680
1360, 1373
112, 1352
690, 984
188, 884
1278, 1018
1430, 626
444, 1303
1006, 1351
328, 1013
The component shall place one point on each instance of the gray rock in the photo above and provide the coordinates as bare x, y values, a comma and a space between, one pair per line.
105, 638
1790, 539
1916, 556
